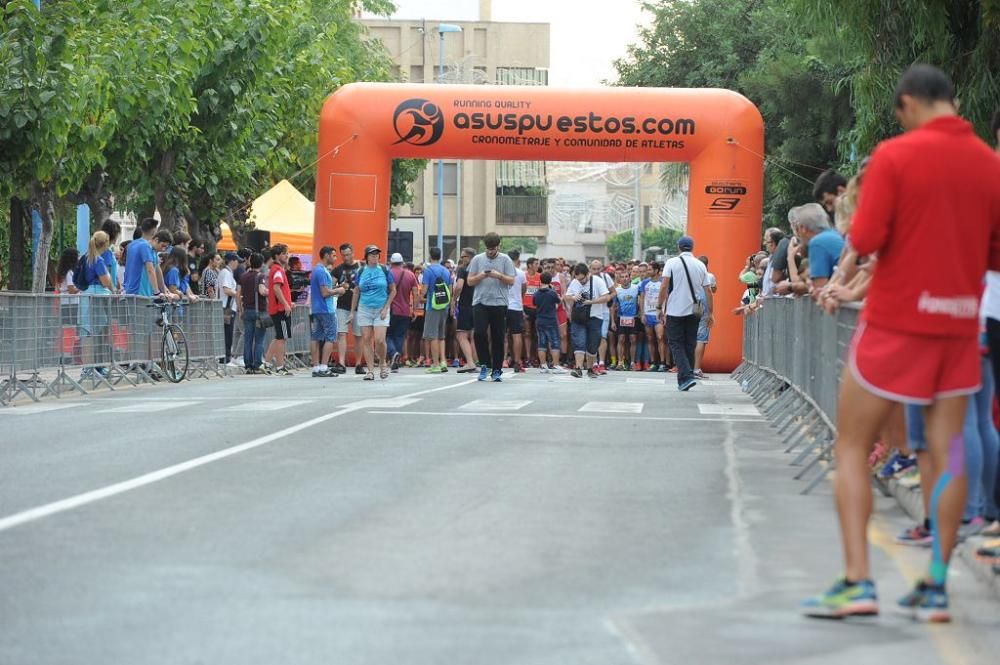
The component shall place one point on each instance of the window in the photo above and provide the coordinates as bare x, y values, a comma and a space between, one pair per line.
450, 174
416, 74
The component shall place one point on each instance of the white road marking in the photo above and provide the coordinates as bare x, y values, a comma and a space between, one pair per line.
269, 405
383, 403
611, 407
576, 416
93, 496
728, 410
30, 409
495, 405
142, 407
647, 382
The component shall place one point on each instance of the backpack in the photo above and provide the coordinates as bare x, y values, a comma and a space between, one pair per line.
80, 274
440, 295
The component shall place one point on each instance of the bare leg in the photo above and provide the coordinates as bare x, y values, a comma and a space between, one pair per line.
380, 347
943, 421
467, 349
518, 345
342, 349
699, 354
661, 335
860, 416
368, 346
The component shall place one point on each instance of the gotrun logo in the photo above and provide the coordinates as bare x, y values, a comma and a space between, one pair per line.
418, 122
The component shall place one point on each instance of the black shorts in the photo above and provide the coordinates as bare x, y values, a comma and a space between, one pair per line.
417, 324
282, 326
465, 319
530, 314
515, 322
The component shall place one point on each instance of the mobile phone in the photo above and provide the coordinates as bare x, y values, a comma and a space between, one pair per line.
488, 271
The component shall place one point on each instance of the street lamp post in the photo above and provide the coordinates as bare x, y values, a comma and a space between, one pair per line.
442, 29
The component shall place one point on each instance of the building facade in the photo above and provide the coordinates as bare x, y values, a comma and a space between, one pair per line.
479, 196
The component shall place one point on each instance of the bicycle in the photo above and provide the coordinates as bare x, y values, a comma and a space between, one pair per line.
174, 353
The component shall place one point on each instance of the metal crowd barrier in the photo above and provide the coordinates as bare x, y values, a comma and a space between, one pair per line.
52, 344
793, 356
296, 351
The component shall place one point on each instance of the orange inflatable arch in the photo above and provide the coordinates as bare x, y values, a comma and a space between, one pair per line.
364, 126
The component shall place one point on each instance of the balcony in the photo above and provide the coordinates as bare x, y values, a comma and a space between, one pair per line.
522, 210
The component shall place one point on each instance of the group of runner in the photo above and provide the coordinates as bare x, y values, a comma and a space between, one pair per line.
492, 310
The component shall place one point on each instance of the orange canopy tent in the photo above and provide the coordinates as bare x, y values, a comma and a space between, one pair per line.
286, 213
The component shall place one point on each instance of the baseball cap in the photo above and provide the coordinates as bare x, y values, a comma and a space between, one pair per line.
231, 256
396, 258
685, 243
372, 249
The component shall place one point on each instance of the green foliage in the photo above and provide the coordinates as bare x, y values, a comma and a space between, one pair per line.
404, 173
523, 245
761, 49
620, 244
194, 106
823, 74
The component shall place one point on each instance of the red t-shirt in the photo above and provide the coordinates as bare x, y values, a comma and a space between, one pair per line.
930, 208
277, 279
533, 284
405, 282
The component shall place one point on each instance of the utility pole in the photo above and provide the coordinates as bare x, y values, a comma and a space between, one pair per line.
637, 222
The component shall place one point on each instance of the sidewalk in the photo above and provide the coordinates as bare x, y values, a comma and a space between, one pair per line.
910, 501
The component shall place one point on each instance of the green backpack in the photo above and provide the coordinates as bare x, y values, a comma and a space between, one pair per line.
441, 295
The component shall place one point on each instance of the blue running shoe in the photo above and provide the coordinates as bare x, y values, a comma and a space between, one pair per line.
484, 373
843, 600
896, 464
687, 385
497, 376
927, 602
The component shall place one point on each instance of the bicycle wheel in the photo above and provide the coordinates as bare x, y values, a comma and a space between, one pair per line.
175, 353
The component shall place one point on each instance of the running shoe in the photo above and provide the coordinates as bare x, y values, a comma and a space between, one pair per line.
497, 376
283, 371
687, 385
655, 367
456, 363
909, 478
897, 464
558, 370
434, 369
916, 536
989, 553
927, 602
337, 368
971, 528
843, 600
577, 373
700, 374
468, 369
518, 368
544, 370
359, 369
591, 374
673, 370
322, 373
394, 363
484, 373
444, 367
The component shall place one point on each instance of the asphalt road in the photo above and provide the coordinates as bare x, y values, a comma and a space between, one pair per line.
431, 520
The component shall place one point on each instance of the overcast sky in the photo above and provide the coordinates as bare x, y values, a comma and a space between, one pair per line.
586, 35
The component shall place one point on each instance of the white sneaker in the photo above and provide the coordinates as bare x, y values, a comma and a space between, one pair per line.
558, 370
543, 370
232, 363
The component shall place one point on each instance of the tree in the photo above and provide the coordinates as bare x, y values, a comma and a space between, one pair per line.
620, 244
761, 49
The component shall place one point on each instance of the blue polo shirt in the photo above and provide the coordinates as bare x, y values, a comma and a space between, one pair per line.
824, 252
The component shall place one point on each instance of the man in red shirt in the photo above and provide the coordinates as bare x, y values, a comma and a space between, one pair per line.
532, 280
279, 306
400, 311
932, 192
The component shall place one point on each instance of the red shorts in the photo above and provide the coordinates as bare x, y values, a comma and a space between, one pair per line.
914, 369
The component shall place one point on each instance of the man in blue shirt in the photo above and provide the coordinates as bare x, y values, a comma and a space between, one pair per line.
436, 319
825, 243
142, 273
323, 310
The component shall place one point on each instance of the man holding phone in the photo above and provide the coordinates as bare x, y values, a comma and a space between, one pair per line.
492, 273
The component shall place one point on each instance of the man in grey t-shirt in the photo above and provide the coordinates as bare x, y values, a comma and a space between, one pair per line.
492, 273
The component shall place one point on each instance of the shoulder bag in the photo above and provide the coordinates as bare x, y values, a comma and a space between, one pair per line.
698, 308
581, 312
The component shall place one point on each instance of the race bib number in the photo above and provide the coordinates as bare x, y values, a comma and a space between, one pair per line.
628, 321
532, 290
